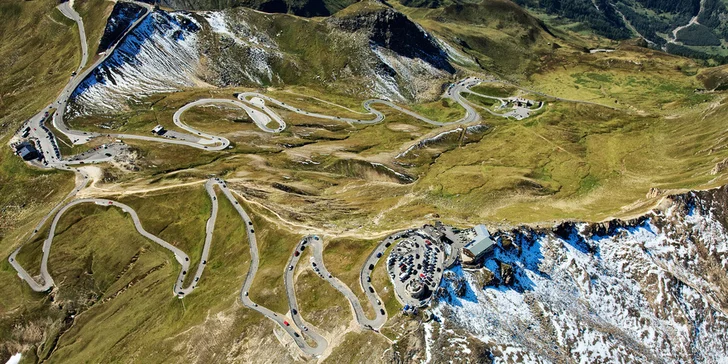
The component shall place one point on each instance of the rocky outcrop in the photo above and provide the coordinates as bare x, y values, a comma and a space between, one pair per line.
649, 289
377, 53
159, 55
121, 18
392, 30
719, 167
306, 8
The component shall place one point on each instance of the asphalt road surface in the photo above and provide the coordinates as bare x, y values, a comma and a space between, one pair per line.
471, 115
46, 277
180, 256
359, 315
296, 328
255, 106
259, 118
70, 13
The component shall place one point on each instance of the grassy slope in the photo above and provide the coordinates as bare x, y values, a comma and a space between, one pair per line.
320, 303
632, 80
38, 53
94, 14
217, 292
574, 161
143, 317
503, 38
571, 161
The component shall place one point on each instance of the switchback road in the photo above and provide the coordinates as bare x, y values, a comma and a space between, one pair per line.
297, 328
181, 257
471, 115
254, 105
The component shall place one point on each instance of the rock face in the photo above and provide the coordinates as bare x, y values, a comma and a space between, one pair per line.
121, 17
377, 53
302, 8
159, 55
653, 192
392, 30
652, 289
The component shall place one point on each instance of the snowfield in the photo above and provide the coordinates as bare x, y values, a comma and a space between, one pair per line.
159, 55
648, 291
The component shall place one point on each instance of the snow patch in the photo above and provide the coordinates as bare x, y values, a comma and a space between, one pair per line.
638, 294
159, 55
257, 47
15, 359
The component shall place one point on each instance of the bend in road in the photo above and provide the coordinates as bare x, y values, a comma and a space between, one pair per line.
180, 256
453, 92
69, 12
359, 314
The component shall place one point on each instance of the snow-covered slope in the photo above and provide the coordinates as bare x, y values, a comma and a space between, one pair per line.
170, 51
649, 290
159, 55
246, 53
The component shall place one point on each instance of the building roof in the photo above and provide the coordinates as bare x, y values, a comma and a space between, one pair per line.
482, 242
28, 152
22, 145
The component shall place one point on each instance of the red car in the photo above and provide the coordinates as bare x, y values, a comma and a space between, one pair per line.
286, 323
296, 253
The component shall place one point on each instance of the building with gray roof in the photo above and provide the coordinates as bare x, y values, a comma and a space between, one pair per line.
476, 249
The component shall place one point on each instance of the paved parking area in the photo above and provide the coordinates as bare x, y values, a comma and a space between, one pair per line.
415, 266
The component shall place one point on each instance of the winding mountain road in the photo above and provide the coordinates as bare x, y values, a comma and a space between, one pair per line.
251, 102
69, 12
359, 314
296, 330
471, 115
254, 104
181, 257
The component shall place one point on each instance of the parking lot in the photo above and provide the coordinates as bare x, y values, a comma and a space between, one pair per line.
415, 266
